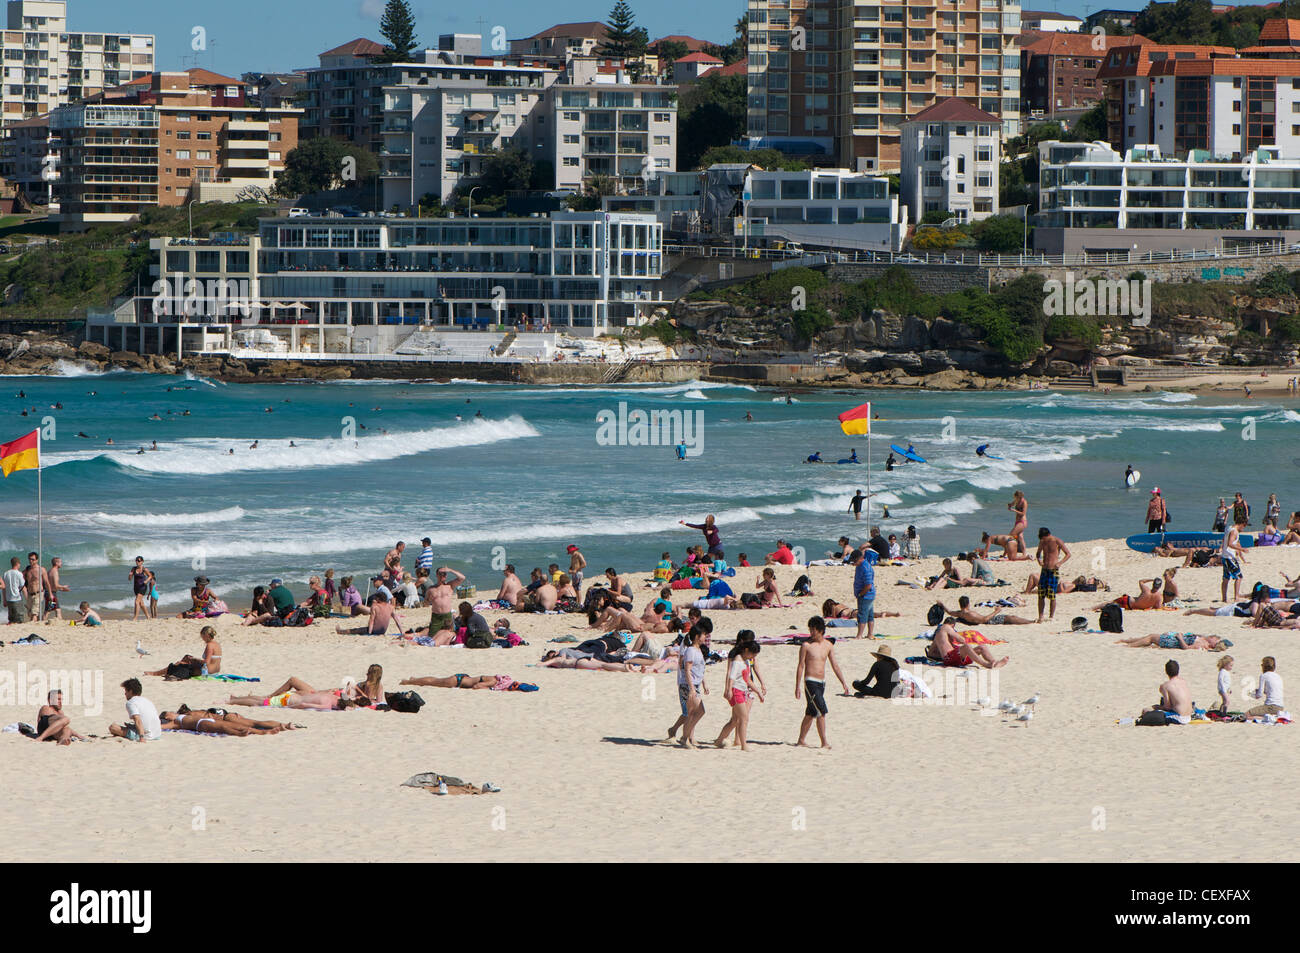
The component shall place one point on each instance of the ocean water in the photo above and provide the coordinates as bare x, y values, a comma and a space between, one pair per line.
344, 469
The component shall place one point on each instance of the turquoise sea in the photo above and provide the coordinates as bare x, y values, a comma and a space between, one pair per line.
529, 476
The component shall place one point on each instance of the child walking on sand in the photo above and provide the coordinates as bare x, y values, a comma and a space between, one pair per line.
1225, 682
810, 676
742, 685
690, 687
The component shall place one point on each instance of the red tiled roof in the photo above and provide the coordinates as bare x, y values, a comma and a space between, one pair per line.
738, 68
698, 58
1074, 44
1145, 65
358, 47
198, 77
690, 42
953, 109
592, 29
1287, 31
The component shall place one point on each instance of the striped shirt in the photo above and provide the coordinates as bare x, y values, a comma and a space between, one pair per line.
426, 558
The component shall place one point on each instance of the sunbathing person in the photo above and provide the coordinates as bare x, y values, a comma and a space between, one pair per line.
954, 651
297, 694
1011, 549
204, 723
234, 718
382, 612
208, 664
52, 724
997, 617
1078, 584
554, 660
511, 586
1173, 640
1170, 583
1149, 598
614, 619
656, 619
1192, 558
495, 683
541, 599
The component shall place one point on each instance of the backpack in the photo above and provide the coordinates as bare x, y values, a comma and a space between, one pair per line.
935, 615
478, 640
1112, 619
803, 586
409, 702
298, 618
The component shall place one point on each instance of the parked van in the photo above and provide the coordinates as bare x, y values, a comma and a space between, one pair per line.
299, 213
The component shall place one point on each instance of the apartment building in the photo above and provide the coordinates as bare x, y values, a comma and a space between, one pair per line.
950, 161
840, 77
606, 125
163, 140
828, 207
345, 286
441, 120
27, 161
562, 41
1058, 71
344, 97
46, 66
1046, 21
1092, 186
1223, 101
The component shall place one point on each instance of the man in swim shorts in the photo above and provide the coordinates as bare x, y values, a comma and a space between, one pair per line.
1052, 555
810, 677
440, 597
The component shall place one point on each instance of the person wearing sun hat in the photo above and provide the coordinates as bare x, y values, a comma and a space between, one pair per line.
1157, 514
882, 677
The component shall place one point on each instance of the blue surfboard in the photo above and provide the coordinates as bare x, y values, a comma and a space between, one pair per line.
914, 457
1147, 542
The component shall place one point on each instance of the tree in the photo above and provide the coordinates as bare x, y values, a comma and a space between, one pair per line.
504, 171
1003, 234
624, 40
319, 165
768, 159
670, 51
398, 27
594, 189
1091, 126
710, 113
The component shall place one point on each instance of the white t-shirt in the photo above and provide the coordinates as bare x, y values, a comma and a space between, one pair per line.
148, 716
1270, 689
14, 586
412, 595
1225, 682
690, 665
737, 674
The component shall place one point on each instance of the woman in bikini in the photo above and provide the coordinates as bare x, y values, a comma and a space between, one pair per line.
234, 718
371, 691
297, 694
1020, 507
836, 610
494, 683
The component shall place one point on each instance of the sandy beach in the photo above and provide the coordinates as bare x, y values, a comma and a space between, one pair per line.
585, 774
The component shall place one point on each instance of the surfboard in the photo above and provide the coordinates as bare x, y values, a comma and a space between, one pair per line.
914, 457
1132, 478
846, 460
1147, 542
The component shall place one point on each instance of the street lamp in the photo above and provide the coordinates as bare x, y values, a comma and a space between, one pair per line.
471, 199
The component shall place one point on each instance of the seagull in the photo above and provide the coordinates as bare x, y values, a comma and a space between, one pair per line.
1032, 700
139, 649
1026, 717
1005, 706
1014, 710
984, 702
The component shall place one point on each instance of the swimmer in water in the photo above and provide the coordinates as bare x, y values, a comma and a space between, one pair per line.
83, 435
253, 445
748, 415
232, 451
155, 417
155, 445
815, 458
292, 444
110, 441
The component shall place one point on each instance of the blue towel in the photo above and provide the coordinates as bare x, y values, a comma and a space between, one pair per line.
223, 677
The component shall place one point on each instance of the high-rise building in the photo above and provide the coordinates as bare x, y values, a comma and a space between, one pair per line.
838, 77
951, 153
46, 66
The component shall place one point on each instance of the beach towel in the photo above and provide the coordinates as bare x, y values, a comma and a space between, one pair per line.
223, 677
840, 623
979, 638
204, 734
921, 660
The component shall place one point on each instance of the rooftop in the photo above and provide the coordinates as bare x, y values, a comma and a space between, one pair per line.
358, 47
953, 109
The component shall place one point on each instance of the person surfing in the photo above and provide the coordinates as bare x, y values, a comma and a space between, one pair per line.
815, 458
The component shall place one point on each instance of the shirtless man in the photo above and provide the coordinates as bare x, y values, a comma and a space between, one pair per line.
52, 594
1149, 598
393, 560
38, 586
382, 612
297, 694
541, 599
1175, 699
1051, 556
619, 588
440, 597
810, 676
655, 618
997, 617
954, 651
615, 620
52, 724
510, 586
1232, 557
1010, 548
577, 563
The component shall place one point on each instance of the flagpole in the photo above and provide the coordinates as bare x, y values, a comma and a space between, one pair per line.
868, 467
40, 531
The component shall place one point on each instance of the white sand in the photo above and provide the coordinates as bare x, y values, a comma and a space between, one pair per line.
585, 778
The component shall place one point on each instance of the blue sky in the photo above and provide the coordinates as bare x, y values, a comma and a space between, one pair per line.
281, 35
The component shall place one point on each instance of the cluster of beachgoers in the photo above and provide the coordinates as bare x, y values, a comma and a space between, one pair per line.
661, 623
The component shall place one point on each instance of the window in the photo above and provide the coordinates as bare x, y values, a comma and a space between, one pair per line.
572, 139
208, 135
571, 161
663, 117
572, 117
201, 154
183, 134
182, 173
182, 153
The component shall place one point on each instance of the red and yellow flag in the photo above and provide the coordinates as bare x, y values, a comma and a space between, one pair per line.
857, 420
21, 454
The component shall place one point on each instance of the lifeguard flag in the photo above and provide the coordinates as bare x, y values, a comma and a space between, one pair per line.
857, 420
21, 454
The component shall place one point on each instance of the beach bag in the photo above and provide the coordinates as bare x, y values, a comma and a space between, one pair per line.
409, 702
179, 671
478, 640
1112, 619
298, 618
935, 615
803, 586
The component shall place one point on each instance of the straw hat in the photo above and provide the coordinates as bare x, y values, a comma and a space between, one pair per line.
883, 652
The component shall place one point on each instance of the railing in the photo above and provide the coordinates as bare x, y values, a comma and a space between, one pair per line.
983, 260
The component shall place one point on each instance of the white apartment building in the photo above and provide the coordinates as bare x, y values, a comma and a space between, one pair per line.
440, 121
831, 207
1091, 186
46, 66
606, 125
950, 161
842, 75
